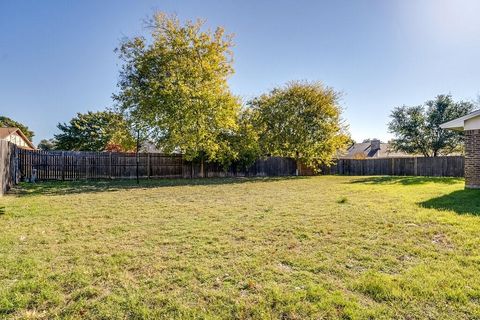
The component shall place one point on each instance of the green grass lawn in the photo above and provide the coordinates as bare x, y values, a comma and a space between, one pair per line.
319, 247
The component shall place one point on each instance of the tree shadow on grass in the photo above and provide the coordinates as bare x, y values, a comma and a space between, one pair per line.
92, 186
461, 201
408, 180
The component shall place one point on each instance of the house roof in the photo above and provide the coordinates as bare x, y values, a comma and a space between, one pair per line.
5, 132
365, 149
459, 123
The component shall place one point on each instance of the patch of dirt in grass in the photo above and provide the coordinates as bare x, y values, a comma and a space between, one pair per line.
442, 240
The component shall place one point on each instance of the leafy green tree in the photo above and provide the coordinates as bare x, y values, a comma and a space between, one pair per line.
95, 131
417, 128
301, 120
176, 85
247, 140
46, 145
243, 147
6, 122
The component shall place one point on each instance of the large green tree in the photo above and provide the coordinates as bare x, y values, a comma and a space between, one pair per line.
7, 122
417, 128
95, 131
47, 144
175, 84
301, 120
244, 147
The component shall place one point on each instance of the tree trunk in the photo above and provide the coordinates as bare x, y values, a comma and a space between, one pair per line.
202, 167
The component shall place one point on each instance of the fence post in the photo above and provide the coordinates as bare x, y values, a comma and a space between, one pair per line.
63, 166
148, 165
415, 166
393, 166
110, 165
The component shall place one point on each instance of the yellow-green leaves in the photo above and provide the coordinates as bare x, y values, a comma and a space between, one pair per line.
176, 85
301, 120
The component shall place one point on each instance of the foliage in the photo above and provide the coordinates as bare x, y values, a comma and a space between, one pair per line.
6, 122
176, 85
246, 141
244, 147
417, 129
95, 131
241, 249
301, 120
46, 145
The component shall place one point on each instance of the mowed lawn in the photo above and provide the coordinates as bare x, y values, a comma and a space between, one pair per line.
296, 248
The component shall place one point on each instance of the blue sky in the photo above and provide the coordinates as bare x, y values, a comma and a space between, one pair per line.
56, 57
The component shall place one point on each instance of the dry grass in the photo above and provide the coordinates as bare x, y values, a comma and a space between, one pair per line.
321, 247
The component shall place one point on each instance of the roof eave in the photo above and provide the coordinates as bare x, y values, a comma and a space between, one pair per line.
459, 123
24, 137
452, 126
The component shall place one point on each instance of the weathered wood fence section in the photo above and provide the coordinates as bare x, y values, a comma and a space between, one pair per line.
73, 165
448, 166
8, 166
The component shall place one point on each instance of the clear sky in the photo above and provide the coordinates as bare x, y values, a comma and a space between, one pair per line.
57, 58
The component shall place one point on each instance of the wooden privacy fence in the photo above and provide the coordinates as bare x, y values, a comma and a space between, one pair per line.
78, 165
8, 166
73, 165
448, 166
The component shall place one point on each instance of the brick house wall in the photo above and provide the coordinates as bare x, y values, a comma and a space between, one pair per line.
472, 159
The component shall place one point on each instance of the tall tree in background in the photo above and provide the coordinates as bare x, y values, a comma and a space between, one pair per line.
301, 120
6, 122
176, 85
46, 145
95, 131
244, 146
417, 129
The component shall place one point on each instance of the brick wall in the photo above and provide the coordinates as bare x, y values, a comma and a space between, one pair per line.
472, 158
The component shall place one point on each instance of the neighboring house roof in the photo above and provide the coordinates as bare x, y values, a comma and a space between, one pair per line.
372, 149
6, 132
150, 147
470, 121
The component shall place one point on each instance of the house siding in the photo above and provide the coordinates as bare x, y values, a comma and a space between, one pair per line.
15, 138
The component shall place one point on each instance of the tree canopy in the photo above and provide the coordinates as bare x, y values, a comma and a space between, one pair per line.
95, 131
6, 122
301, 120
47, 144
176, 86
417, 128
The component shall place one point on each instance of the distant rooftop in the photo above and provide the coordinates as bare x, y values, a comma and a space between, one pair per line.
6, 132
372, 149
